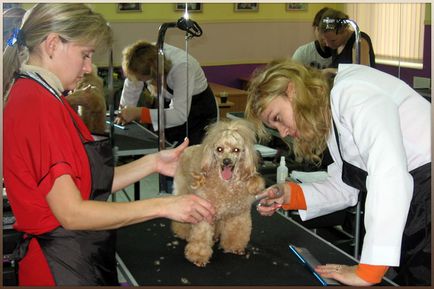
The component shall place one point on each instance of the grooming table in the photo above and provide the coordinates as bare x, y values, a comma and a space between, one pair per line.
149, 254
135, 139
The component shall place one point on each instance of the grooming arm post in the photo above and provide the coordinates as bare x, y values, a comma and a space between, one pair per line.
160, 98
357, 42
192, 29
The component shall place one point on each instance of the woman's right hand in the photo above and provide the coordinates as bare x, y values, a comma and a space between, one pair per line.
189, 209
127, 114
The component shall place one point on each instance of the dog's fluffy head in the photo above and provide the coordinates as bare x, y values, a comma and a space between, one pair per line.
89, 101
229, 147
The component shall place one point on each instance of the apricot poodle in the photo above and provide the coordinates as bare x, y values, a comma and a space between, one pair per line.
223, 170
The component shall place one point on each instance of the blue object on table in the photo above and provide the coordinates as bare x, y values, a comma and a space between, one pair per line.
307, 265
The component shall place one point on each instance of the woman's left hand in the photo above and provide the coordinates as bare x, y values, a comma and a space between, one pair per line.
167, 160
342, 273
272, 198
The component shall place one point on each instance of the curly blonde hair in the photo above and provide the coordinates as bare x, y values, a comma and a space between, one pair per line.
311, 104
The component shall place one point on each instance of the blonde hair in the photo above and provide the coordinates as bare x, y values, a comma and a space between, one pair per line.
140, 59
74, 22
11, 19
311, 104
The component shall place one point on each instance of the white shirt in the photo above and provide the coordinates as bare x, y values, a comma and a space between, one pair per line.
384, 128
307, 54
177, 80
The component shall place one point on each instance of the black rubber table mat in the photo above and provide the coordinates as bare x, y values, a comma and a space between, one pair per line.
155, 257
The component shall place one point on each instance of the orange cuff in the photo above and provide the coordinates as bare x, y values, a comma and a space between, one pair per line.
297, 201
371, 273
145, 116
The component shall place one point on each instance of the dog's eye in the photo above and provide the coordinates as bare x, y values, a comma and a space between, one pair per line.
220, 149
236, 150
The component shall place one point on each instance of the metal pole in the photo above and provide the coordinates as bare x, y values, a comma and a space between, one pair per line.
193, 29
358, 207
111, 97
357, 42
111, 105
160, 98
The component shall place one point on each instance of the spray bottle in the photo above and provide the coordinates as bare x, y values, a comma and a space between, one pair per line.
282, 171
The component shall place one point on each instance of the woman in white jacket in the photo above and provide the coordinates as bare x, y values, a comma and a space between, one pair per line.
188, 95
378, 132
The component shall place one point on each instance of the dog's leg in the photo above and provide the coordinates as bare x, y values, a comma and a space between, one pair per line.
235, 233
200, 243
255, 185
181, 230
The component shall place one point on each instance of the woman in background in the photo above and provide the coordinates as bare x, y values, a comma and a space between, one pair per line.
57, 177
340, 37
191, 99
315, 53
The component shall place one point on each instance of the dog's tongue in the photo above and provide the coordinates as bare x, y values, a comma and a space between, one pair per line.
227, 173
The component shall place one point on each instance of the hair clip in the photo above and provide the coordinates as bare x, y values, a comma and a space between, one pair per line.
17, 37
334, 24
329, 22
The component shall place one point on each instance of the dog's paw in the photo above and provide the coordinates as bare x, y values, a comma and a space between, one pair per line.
198, 264
198, 254
236, 252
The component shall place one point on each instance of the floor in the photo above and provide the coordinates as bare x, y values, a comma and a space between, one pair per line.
148, 189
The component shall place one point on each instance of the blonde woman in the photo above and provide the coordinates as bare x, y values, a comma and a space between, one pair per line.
378, 132
57, 176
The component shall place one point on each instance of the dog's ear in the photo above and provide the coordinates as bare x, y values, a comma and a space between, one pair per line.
249, 162
207, 157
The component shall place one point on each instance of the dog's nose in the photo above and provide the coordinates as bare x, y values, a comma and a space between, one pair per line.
227, 161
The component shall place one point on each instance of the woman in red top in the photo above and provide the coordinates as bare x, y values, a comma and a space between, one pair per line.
56, 175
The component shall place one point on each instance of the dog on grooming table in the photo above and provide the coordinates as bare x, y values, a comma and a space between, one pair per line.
222, 170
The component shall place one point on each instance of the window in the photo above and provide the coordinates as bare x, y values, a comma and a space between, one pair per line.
396, 31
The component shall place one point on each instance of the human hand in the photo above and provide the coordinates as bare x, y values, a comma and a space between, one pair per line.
130, 113
167, 160
119, 120
272, 198
152, 87
189, 209
342, 273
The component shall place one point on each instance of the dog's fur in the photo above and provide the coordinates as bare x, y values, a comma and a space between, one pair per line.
89, 101
222, 170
